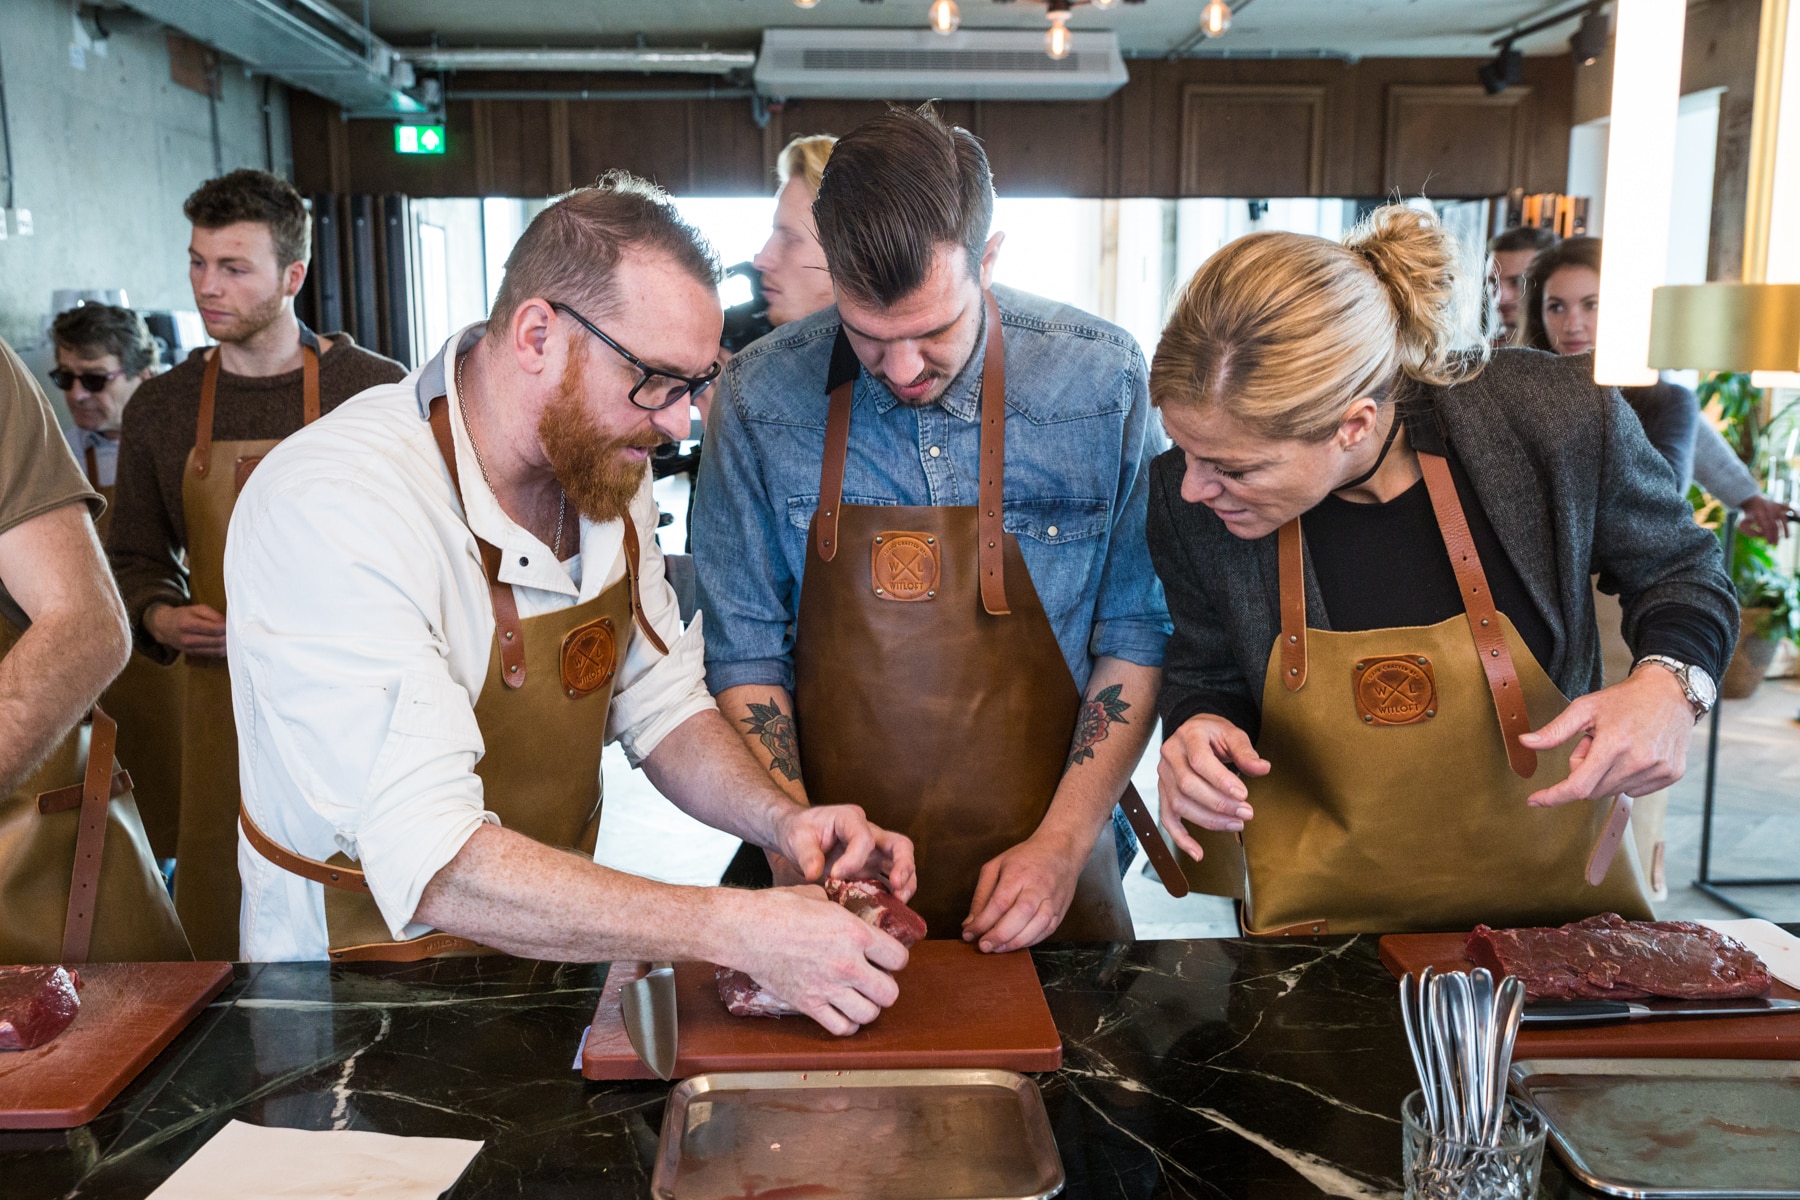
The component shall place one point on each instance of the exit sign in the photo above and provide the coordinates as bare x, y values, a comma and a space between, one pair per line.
419, 139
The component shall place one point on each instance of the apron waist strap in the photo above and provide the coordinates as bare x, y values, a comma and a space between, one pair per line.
429, 946
97, 792
347, 878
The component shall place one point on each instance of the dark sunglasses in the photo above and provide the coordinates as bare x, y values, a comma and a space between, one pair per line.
678, 387
93, 381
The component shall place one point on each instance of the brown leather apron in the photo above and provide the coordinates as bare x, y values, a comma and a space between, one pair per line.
1395, 801
542, 714
207, 888
146, 701
928, 684
77, 879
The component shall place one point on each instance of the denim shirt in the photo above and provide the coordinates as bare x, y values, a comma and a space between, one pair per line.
1080, 435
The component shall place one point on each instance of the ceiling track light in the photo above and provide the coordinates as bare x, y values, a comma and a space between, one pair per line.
1507, 69
1591, 37
944, 17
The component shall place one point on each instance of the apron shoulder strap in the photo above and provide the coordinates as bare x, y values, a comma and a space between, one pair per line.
989, 521
637, 603
500, 595
990, 513
1484, 618
203, 429
1291, 564
209, 392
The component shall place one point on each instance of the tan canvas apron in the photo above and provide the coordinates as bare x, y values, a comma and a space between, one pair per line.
207, 888
542, 714
928, 684
146, 702
77, 879
1395, 800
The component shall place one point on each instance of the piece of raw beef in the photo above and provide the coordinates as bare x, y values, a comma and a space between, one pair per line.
1609, 958
744, 997
36, 1004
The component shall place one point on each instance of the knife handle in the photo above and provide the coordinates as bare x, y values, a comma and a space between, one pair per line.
1576, 1012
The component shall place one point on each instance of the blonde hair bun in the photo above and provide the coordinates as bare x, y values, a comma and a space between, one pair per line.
1435, 289
1284, 330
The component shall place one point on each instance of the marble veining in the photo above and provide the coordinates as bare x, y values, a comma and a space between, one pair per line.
1232, 1068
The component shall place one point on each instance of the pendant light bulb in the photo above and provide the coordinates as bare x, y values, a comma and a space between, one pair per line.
944, 16
806, 3
1215, 18
1103, 4
1057, 38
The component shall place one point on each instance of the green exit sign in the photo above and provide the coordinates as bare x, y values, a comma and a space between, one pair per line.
419, 139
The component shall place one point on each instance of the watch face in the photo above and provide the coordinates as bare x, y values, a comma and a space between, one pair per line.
1703, 686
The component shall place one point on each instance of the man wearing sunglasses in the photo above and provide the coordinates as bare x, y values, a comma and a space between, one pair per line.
447, 595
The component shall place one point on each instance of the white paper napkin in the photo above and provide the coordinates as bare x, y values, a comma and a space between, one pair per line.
1779, 949
306, 1164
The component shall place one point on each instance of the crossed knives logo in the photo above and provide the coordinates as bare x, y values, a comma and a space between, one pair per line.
1397, 689
904, 566
587, 657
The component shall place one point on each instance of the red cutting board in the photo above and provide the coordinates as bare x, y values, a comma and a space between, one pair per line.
1705, 1037
958, 1007
129, 1012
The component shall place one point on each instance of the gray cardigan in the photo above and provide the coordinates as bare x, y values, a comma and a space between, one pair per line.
1569, 482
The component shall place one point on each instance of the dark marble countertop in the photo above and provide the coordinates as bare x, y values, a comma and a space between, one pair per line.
1191, 1069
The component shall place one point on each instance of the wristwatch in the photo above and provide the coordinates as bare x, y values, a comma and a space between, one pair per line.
1696, 684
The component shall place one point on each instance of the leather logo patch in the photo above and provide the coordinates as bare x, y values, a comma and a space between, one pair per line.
1396, 689
587, 657
904, 566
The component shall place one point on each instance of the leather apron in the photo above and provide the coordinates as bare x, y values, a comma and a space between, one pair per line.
207, 888
542, 714
929, 686
1395, 801
77, 880
146, 701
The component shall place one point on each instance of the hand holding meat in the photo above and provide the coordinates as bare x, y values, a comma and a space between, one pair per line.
838, 841
1195, 781
1634, 739
820, 958
1023, 893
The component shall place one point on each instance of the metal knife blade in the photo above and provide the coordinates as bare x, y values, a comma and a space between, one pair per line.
1549, 1014
648, 1006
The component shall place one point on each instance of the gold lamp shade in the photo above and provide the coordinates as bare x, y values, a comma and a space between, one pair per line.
1726, 327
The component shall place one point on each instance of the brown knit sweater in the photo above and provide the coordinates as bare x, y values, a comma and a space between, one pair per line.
148, 540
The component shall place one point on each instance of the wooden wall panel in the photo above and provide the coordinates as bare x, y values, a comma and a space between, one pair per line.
1456, 140
1252, 139
1131, 144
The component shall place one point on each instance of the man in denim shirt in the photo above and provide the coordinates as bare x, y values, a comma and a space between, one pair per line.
891, 683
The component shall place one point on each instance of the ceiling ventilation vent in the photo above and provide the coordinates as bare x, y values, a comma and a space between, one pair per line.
905, 64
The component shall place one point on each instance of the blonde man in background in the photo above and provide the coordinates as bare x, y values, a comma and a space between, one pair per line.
795, 280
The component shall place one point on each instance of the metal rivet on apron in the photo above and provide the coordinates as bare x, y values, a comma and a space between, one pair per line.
1359, 666
931, 541
1431, 712
571, 691
1293, 670
1484, 622
878, 591
1495, 653
1421, 660
1294, 637
930, 594
514, 668
990, 545
509, 635
878, 540
1366, 718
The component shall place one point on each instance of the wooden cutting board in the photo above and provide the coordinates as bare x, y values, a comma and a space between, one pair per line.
958, 1007
1708, 1037
129, 1012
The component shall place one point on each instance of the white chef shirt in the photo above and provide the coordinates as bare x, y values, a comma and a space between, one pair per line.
359, 629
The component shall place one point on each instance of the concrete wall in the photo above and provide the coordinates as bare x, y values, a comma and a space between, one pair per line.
103, 156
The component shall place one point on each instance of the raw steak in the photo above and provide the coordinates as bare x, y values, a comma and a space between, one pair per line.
1609, 958
744, 997
36, 1004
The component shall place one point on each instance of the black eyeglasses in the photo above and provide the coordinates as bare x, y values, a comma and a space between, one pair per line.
93, 381
677, 387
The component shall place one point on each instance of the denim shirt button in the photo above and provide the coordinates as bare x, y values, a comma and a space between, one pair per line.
935, 452
1051, 531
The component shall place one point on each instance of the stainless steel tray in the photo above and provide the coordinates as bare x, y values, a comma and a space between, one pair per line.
1672, 1128
900, 1135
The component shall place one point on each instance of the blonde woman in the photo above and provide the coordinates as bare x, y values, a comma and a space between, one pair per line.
1376, 546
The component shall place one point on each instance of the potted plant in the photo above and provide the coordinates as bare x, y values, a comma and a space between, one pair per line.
1768, 595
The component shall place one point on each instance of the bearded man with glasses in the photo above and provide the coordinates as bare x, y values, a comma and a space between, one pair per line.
447, 595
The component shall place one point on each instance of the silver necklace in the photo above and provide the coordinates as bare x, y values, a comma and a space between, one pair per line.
462, 403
